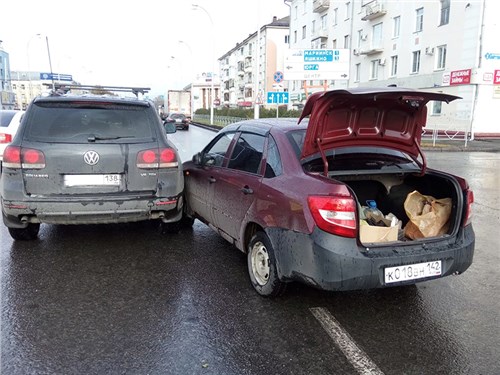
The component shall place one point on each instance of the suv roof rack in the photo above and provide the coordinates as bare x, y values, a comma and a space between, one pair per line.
61, 89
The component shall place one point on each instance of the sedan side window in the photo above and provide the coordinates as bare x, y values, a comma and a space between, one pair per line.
273, 160
214, 155
247, 153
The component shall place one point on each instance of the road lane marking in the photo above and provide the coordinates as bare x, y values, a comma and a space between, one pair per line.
358, 358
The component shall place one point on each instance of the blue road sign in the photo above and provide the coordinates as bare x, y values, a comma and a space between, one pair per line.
56, 77
276, 97
278, 77
318, 55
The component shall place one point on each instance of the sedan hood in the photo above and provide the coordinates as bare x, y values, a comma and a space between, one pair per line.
387, 117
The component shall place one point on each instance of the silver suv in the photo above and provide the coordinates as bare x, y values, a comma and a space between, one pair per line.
88, 159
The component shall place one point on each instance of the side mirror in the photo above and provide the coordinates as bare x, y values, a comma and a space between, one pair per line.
197, 158
169, 127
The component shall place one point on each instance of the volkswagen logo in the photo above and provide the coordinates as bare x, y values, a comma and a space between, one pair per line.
91, 157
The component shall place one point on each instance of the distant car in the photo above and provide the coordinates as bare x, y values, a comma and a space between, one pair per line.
292, 195
9, 123
90, 159
180, 120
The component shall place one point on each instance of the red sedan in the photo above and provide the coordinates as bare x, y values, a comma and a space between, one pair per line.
299, 196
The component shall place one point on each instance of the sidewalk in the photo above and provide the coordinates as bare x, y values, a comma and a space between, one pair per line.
483, 145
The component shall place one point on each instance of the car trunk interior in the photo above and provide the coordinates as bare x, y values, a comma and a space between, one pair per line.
390, 192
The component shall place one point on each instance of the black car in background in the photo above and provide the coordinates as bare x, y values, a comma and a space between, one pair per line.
180, 120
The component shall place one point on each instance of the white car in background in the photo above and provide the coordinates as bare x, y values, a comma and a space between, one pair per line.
9, 122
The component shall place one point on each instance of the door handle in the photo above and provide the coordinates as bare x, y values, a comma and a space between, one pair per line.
247, 190
212, 180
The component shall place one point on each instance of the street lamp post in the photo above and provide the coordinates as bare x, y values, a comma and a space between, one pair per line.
191, 75
195, 7
50, 62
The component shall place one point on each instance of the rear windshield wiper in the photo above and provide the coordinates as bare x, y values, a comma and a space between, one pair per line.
93, 138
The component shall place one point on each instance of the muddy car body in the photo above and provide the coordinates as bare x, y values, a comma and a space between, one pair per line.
291, 195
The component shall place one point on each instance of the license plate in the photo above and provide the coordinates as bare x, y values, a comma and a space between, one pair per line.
92, 179
412, 272
178, 120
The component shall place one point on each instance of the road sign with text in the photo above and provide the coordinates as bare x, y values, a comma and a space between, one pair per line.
316, 64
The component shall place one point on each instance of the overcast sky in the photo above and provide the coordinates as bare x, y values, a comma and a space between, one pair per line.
127, 42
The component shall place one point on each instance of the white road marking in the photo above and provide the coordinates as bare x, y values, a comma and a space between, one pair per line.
358, 358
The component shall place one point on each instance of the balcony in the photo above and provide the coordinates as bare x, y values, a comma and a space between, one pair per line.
371, 51
321, 34
319, 6
373, 10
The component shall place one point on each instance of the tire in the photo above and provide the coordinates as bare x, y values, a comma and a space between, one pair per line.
25, 234
170, 228
186, 222
262, 267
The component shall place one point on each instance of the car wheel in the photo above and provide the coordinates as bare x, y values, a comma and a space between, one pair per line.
186, 222
170, 228
262, 267
25, 234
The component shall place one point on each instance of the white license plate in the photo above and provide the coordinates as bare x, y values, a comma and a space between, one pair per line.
412, 272
92, 179
178, 120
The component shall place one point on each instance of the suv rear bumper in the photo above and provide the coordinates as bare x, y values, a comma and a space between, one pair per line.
20, 214
335, 263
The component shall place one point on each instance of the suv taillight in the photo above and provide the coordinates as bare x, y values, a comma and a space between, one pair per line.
17, 157
334, 214
469, 199
157, 158
5, 138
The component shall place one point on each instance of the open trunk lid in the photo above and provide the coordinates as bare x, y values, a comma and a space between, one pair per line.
388, 117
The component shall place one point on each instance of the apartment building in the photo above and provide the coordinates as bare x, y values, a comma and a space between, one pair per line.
440, 45
247, 70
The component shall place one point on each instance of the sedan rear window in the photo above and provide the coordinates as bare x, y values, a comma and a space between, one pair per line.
6, 118
68, 123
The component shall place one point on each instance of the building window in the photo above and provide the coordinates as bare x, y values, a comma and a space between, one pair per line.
334, 43
295, 36
396, 25
14, 86
287, 39
374, 64
445, 12
335, 16
304, 32
436, 107
441, 57
304, 7
347, 10
324, 22
313, 27
415, 64
394, 66
357, 73
377, 36
419, 21
346, 41
295, 11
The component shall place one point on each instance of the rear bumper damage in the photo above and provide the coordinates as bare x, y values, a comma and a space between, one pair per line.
338, 264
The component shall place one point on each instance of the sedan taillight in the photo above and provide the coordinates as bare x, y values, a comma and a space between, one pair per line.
469, 199
5, 138
157, 158
28, 158
334, 214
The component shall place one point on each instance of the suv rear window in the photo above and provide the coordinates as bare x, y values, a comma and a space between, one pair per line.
67, 122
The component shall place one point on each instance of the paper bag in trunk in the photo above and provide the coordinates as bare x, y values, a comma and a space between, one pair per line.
428, 215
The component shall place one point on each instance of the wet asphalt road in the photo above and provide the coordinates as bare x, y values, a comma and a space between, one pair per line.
126, 299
